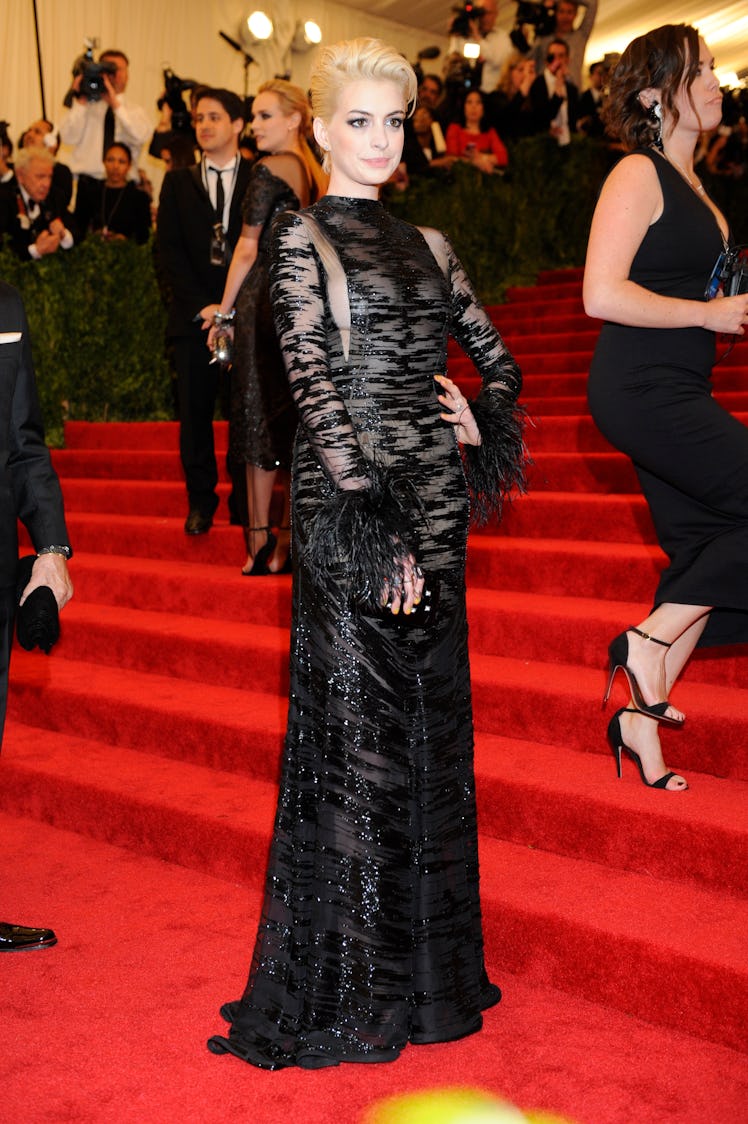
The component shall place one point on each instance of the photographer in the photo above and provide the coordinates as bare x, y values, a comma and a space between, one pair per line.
575, 37
495, 46
176, 119
92, 124
477, 23
555, 99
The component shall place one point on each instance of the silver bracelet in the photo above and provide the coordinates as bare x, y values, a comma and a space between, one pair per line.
65, 551
220, 318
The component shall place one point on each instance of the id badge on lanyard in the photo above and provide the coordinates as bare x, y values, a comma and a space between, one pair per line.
218, 245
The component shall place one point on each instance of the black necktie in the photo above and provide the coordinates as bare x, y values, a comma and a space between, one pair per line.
220, 198
108, 129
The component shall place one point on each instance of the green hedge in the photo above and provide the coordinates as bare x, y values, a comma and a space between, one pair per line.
97, 316
97, 322
507, 228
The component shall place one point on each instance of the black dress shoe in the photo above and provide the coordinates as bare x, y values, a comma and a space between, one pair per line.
17, 938
196, 523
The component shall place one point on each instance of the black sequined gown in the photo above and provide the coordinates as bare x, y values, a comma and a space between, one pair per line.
650, 392
262, 418
371, 929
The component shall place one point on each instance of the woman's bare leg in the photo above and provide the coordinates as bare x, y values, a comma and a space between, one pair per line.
676, 625
639, 731
259, 493
284, 531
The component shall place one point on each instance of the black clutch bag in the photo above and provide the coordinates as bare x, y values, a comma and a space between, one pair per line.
38, 619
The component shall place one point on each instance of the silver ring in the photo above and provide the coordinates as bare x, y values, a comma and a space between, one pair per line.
418, 571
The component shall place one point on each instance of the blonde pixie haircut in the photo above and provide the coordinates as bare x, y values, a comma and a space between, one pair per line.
353, 60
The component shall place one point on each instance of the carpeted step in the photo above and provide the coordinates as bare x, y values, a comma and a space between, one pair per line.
218, 822
246, 627
591, 518
650, 927
552, 291
617, 571
560, 568
631, 925
614, 518
237, 730
112, 1022
119, 464
513, 319
124, 496
560, 474
545, 702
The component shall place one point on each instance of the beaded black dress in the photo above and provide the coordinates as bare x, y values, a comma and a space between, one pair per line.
262, 418
371, 931
650, 393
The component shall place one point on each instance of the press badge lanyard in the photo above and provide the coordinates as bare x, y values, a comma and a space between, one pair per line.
218, 248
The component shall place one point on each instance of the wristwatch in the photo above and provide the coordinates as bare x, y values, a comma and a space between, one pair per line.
65, 551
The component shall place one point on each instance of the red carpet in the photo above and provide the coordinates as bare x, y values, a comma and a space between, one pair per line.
138, 790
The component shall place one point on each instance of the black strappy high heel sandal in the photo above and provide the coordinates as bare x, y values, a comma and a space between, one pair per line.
617, 745
618, 654
260, 560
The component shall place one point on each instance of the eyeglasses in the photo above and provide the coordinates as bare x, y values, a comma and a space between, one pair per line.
730, 273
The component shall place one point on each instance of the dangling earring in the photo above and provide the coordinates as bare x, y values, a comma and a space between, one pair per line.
655, 116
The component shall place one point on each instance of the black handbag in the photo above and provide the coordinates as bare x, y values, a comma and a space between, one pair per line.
38, 619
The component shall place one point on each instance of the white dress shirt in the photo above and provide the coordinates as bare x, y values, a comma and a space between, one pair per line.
83, 128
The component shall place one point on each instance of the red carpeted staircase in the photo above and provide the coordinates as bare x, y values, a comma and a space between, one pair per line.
616, 916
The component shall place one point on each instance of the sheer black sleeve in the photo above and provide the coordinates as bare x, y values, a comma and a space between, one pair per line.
498, 465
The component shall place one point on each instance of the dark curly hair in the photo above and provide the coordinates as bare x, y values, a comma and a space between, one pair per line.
666, 59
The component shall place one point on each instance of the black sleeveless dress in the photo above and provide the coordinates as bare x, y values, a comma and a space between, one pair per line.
262, 417
371, 931
650, 394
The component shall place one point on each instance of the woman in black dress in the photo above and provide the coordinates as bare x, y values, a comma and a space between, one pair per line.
113, 208
262, 418
371, 931
655, 240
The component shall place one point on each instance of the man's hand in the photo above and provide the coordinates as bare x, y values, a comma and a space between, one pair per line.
110, 94
48, 243
51, 570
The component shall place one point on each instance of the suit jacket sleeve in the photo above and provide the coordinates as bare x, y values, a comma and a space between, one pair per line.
190, 289
34, 485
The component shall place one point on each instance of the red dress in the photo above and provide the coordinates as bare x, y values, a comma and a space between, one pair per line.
461, 142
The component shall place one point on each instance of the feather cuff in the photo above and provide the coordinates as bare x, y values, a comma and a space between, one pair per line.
367, 532
498, 465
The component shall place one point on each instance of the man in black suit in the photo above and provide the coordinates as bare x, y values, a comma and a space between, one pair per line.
554, 98
43, 132
199, 221
29, 490
33, 212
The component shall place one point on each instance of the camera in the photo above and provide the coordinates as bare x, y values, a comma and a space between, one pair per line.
174, 88
541, 17
92, 86
463, 16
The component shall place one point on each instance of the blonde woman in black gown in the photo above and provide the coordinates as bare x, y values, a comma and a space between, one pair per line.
262, 419
655, 240
371, 932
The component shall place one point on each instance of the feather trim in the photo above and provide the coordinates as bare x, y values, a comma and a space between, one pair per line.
367, 532
499, 464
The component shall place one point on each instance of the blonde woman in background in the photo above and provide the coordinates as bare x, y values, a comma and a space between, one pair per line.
262, 422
